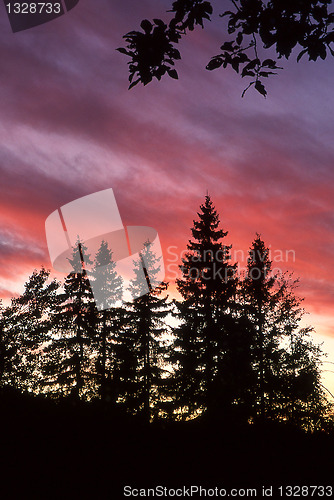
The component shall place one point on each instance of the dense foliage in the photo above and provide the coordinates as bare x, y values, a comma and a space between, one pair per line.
280, 25
235, 350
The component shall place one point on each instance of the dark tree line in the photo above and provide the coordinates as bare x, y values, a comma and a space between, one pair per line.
252, 25
233, 352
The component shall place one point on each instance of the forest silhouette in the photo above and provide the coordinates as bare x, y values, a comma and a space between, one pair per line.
228, 391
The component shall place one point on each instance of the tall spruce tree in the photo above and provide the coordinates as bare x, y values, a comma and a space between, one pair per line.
285, 359
260, 302
108, 290
69, 369
206, 313
142, 351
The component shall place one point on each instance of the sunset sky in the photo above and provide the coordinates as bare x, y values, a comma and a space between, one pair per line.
70, 127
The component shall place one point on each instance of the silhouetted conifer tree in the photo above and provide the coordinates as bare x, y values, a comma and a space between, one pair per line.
208, 289
239, 351
261, 299
141, 351
286, 360
109, 290
69, 366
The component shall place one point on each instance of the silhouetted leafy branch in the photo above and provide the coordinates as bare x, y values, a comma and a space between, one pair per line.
152, 52
282, 25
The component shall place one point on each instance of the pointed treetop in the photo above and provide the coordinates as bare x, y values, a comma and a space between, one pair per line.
207, 229
104, 254
259, 280
80, 257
